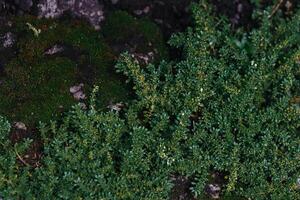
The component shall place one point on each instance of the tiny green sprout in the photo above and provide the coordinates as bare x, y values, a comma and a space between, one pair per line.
93, 97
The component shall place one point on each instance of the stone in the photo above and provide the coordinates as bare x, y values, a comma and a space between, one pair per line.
79, 95
240, 8
53, 50
91, 10
77, 92
146, 9
144, 58
20, 126
116, 107
49, 9
8, 40
213, 190
76, 88
138, 12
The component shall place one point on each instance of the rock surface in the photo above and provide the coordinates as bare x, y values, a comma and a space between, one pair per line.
91, 10
8, 40
77, 92
20, 126
213, 190
55, 49
15, 6
116, 107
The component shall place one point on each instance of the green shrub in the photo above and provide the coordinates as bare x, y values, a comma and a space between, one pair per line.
231, 105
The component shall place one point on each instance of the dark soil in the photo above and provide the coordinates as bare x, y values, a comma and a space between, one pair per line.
31, 157
181, 189
238, 11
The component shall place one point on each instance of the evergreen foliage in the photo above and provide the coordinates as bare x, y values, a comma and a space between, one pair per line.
231, 105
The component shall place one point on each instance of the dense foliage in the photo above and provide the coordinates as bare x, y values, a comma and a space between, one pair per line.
231, 105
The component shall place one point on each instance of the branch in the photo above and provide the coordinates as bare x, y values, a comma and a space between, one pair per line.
275, 8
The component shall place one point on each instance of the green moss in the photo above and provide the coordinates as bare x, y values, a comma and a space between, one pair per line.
32, 93
36, 86
120, 27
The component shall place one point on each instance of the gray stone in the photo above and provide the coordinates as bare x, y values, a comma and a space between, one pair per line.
49, 9
20, 126
55, 49
116, 107
88, 9
77, 92
213, 190
8, 40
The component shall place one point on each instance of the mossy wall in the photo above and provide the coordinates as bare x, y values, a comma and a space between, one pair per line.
36, 85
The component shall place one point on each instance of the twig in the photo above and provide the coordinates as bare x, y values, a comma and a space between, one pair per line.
275, 8
21, 159
36, 31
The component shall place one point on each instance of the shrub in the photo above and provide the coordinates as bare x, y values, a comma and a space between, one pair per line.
248, 123
231, 105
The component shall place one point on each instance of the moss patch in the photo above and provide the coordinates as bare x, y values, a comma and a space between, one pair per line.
36, 85
141, 35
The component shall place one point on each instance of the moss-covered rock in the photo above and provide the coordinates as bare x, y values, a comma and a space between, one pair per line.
126, 33
35, 86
